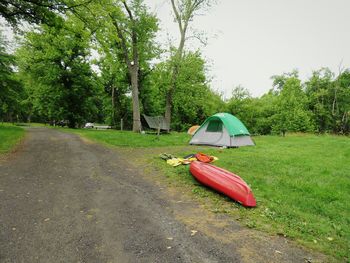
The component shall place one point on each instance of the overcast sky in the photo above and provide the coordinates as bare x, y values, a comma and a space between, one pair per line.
251, 40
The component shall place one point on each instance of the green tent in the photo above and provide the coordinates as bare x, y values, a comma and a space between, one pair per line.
222, 129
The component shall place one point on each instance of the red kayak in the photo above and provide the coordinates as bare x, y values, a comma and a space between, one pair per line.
224, 182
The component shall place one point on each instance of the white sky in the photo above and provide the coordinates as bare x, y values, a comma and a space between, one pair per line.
251, 40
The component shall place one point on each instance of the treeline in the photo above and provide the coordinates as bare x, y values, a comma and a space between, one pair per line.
94, 62
320, 104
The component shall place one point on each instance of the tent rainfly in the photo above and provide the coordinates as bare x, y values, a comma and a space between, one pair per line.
222, 129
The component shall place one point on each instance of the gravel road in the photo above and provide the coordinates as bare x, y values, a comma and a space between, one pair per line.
65, 200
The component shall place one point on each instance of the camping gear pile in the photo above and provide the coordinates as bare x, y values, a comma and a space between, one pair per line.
175, 161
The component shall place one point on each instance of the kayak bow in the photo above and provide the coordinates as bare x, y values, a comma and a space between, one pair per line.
224, 182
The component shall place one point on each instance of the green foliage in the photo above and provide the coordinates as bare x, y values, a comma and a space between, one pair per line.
255, 113
320, 104
329, 100
291, 107
341, 103
37, 11
318, 89
114, 82
124, 34
11, 90
193, 100
54, 66
265, 109
113, 15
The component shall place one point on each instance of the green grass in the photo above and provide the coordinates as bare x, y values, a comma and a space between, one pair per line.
9, 136
301, 183
132, 139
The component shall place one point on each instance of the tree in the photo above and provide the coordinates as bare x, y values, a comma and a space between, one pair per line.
11, 91
266, 108
242, 105
238, 102
115, 82
192, 101
291, 108
255, 113
57, 59
341, 103
134, 27
35, 11
318, 90
128, 30
184, 12
329, 99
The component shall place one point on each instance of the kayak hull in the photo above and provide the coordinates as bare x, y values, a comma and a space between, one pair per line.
224, 182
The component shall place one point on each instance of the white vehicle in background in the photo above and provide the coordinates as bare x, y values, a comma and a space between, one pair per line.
89, 125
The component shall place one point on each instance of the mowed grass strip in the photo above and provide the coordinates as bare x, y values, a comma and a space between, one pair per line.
132, 139
301, 183
9, 137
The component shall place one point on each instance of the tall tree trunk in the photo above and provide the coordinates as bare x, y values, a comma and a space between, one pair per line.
132, 61
175, 73
136, 127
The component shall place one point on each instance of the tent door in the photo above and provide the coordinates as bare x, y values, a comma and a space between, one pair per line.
218, 138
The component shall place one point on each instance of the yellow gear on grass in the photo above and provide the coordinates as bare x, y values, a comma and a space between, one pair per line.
175, 161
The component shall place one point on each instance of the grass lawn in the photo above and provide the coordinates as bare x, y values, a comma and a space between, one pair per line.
9, 136
131, 139
301, 183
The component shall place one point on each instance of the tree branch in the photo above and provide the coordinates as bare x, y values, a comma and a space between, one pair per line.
177, 15
122, 39
128, 10
133, 34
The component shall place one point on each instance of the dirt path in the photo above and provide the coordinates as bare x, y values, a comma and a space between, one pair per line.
65, 200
